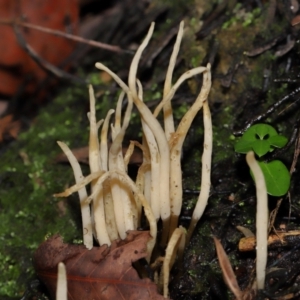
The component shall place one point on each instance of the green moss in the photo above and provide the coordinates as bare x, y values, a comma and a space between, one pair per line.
29, 177
241, 16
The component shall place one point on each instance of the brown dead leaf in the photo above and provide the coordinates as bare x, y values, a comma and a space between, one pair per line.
227, 270
16, 66
9, 128
100, 273
295, 21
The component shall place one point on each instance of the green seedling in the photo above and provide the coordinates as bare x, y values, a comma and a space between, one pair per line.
263, 138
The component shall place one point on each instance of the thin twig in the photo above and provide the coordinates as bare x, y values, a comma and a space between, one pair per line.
270, 110
46, 66
59, 33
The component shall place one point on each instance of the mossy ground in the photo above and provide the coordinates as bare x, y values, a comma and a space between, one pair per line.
29, 177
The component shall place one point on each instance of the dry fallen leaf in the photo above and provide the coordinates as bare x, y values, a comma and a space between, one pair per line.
100, 273
227, 270
16, 66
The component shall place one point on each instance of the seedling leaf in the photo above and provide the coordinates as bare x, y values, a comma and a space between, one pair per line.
243, 146
278, 141
277, 177
261, 147
262, 130
261, 138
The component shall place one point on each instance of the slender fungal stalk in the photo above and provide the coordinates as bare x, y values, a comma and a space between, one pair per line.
122, 196
147, 174
140, 183
61, 287
206, 160
188, 74
111, 225
128, 154
99, 218
94, 148
104, 143
114, 163
262, 220
168, 114
143, 179
98, 212
176, 144
118, 116
155, 160
75, 188
174, 242
160, 137
87, 231
110, 220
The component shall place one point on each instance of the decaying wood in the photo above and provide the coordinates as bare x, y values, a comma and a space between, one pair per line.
274, 240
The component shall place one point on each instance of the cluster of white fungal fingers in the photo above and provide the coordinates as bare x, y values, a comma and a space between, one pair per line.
116, 203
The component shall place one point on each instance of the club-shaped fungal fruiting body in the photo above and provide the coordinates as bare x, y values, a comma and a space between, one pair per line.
115, 203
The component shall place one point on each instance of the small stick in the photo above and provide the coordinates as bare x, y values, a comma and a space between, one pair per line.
270, 110
62, 34
46, 66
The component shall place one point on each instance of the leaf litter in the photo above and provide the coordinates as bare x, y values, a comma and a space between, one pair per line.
103, 272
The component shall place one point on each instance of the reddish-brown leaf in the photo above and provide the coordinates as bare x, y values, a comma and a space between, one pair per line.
17, 67
100, 273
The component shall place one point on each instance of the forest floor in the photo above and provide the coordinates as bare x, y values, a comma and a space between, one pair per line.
254, 53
